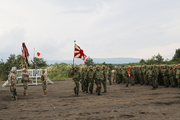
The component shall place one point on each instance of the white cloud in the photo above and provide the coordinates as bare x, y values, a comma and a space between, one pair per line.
102, 28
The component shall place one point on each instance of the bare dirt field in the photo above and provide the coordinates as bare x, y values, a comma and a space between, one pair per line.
137, 102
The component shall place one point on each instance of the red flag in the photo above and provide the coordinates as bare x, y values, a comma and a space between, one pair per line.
115, 69
129, 73
79, 53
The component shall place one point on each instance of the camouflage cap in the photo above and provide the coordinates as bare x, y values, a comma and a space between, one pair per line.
90, 66
97, 66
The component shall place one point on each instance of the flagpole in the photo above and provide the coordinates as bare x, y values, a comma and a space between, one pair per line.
73, 54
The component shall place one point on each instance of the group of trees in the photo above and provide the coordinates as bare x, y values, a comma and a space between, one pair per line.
16, 61
63, 70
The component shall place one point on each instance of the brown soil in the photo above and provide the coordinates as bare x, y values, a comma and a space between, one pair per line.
137, 102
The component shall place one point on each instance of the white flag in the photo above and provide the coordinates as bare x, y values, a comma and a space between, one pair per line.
38, 54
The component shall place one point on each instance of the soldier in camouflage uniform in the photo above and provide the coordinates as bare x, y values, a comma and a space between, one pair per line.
76, 79
86, 81
166, 76
132, 71
13, 81
82, 80
154, 78
90, 78
126, 76
98, 77
140, 73
109, 76
25, 79
104, 79
171, 76
178, 75
44, 82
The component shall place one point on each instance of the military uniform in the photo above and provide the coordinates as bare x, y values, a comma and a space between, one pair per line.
132, 71
25, 79
126, 76
104, 79
109, 76
44, 83
76, 79
166, 76
12, 77
178, 75
91, 80
82, 80
86, 81
154, 78
98, 77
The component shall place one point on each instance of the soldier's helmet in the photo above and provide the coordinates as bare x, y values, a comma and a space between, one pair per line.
13, 69
90, 66
97, 66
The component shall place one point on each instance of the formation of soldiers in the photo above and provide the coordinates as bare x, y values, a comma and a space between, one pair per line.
87, 78
25, 79
154, 75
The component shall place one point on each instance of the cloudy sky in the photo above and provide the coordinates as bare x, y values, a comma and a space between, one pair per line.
102, 28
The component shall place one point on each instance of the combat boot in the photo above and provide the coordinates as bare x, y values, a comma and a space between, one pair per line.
110, 84
25, 94
126, 86
16, 97
104, 91
98, 94
153, 88
77, 94
44, 95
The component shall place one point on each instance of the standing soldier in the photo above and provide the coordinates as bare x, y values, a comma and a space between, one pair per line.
140, 73
90, 78
178, 75
126, 76
76, 78
171, 76
12, 80
25, 79
166, 76
154, 78
86, 81
104, 79
132, 71
82, 80
98, 77
44, 82
109, 76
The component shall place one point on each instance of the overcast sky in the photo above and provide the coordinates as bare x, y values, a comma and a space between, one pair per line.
102, 28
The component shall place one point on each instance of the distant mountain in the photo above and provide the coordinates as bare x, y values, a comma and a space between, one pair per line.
97, 60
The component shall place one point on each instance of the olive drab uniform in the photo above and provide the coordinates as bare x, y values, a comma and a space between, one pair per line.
166, 77
178, 76
76, 79
109, 76
171, 76
44, 83
25, 79
13, 86
140, 73
132, 71
91, 80
154, 77
98, 77
104, 79
82, 80
126, 76
86, 81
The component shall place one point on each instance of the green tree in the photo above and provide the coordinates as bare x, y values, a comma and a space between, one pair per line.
142, 61
176, 56
89, 61
159, 59
40, 62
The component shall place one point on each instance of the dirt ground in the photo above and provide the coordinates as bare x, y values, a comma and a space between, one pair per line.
137, 102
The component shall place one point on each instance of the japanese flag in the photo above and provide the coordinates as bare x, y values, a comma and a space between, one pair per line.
38, 54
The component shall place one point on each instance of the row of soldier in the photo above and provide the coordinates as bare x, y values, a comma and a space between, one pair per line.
25, 78
153, 75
